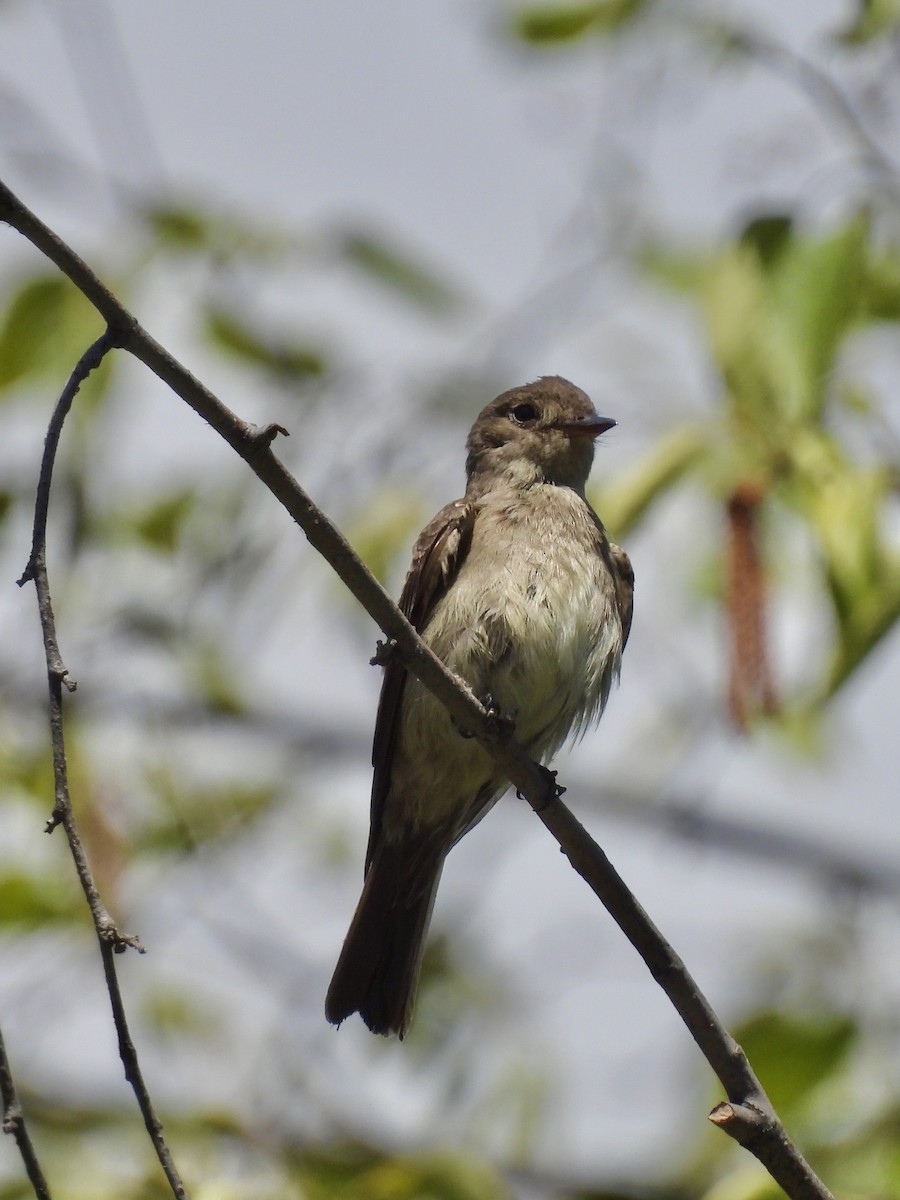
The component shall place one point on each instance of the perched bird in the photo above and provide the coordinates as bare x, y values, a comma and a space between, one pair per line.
519, 590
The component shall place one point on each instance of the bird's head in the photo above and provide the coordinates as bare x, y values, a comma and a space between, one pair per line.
542, 431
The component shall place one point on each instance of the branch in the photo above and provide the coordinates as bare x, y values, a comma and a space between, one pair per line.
821, 90
688, 818
771, 1144
14, 1123
110, 939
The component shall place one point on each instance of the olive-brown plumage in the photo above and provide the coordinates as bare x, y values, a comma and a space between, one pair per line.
519, 590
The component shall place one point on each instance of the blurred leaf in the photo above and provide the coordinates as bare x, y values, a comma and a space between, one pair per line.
818, 299
30, 322
844, 506
7, 499
856, 399
173, 1010
679, 271
793, 1054
359, 1173
388, 524
769, 236
150, 625
185, 228
735, 305
450, 991
549, 24
625, 499
778, 306
215, 682
159, 524
30, 900
193, 230
45, 329
27, 770
747, 1181
395, 269
881, 286
16, 1190
192, 816
867, 1161
287, 360
873, 19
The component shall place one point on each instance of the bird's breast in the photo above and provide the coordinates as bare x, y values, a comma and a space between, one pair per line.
531, 617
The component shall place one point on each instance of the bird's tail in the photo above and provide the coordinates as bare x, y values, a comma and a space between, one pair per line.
378, 968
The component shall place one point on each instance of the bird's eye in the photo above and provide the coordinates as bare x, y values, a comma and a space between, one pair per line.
523, 413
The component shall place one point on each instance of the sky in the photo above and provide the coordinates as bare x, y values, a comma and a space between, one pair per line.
421, 120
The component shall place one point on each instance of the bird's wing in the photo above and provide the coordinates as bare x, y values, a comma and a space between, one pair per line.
441, 547
624, 580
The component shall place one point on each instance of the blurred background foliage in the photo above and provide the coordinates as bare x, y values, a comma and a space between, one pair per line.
169, 570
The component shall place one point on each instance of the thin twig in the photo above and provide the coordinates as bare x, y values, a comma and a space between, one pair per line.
821, 90
687, 817
748, 1101
683, 815
14, 1123
108, 935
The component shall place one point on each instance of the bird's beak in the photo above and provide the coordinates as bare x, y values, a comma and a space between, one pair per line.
591, 426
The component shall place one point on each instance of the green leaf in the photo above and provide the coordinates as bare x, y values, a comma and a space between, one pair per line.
191, 816
881, 285
31, 319
395, 269
747, 1180
173, 1010
793, 1054
843, 504
769, 236
287, 360
388, 524
736, 308
778, 307
625, 499
180, 227
46, 328
551, 24
214, 682
190, 230
357, 1172
873, 18
816, 300
856, 399
28, 901
681, 272
159, 525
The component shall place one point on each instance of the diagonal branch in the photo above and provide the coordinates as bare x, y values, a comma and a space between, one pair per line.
111, 941
821, 90
749, 1116
14, 1123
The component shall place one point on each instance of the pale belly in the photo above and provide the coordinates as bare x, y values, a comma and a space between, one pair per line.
530, 621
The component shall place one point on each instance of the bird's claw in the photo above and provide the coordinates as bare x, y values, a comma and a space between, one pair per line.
503, 724
558, 789
385, 652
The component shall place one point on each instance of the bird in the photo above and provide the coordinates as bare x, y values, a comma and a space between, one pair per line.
519, 590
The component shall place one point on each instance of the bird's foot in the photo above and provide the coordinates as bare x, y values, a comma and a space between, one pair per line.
504, 724
385, 653
558, 789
